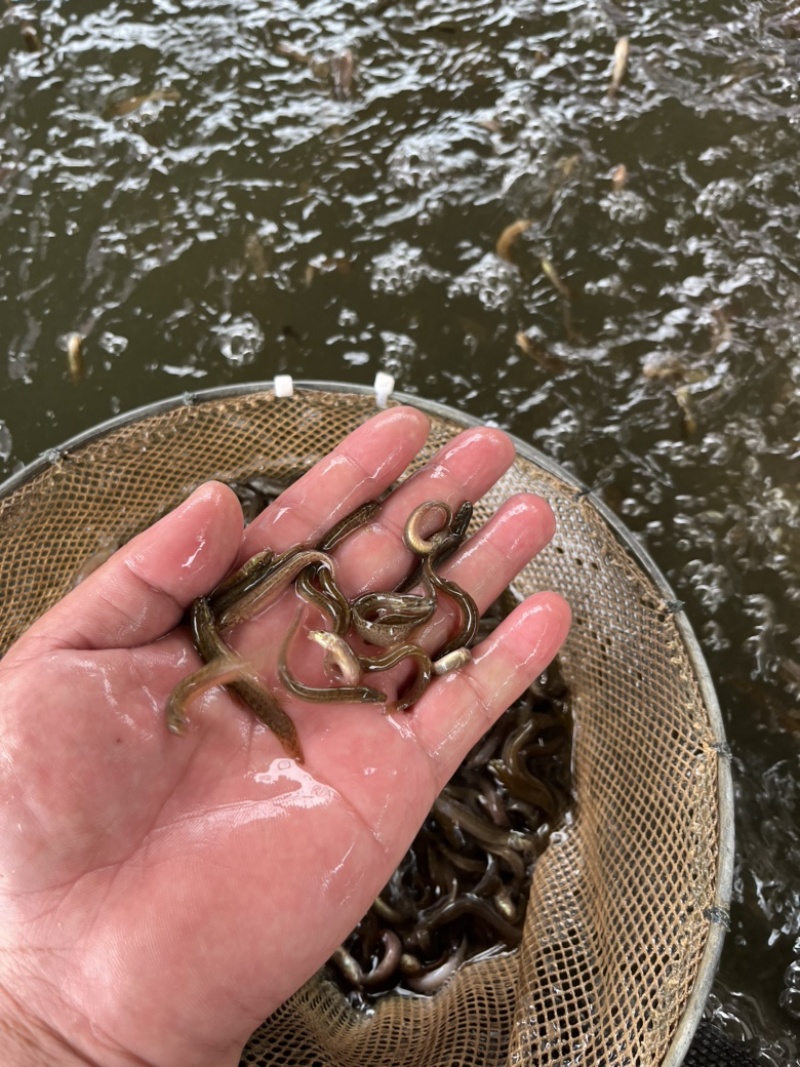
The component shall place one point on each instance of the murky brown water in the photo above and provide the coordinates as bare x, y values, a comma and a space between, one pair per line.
258, 215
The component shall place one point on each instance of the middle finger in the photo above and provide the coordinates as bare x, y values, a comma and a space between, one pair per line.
376, 557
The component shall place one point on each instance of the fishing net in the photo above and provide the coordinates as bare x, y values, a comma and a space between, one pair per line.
627, 903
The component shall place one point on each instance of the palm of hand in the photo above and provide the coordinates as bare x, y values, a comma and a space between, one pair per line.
163, 895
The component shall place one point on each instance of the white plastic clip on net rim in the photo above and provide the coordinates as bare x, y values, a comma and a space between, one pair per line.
284, 386
384, 385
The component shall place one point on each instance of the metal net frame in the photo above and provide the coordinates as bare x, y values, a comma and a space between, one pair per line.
629, 901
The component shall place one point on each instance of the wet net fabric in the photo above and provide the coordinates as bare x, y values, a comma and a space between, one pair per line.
623, 899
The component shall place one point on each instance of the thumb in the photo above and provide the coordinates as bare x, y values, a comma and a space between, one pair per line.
143, 590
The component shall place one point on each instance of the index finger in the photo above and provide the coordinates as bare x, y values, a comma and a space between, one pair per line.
360, 468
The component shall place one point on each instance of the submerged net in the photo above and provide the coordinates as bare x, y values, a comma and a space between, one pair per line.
623, 921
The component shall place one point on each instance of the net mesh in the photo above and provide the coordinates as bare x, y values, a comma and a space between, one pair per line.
621, 902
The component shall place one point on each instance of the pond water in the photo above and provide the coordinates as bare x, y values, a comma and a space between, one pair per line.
213, 193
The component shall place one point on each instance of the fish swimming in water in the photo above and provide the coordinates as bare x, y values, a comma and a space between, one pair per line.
620, 65
120, 104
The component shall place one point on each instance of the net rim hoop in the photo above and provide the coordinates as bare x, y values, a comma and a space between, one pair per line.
693, 1011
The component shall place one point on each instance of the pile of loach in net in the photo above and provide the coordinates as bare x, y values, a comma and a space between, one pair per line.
462, 888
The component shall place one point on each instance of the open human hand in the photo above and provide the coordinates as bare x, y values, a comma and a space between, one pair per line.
159, 895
